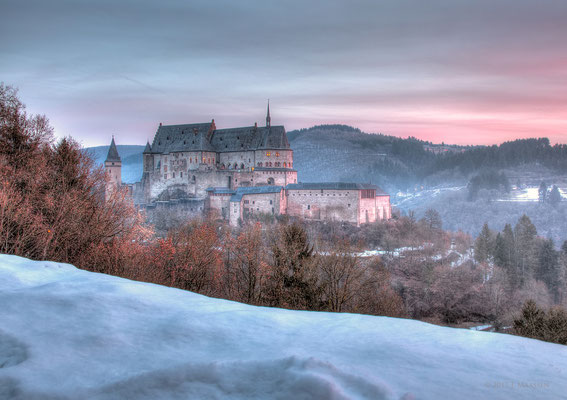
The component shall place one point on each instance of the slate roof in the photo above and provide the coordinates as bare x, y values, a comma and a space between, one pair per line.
250, 138
273, 169
113, 155
204, 137
334, 186
221, 190
187, 137
148, 148
254, 190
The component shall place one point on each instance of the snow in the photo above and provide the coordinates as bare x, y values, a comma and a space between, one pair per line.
528, 194
71, 334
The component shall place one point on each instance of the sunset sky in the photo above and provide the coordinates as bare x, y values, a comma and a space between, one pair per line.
465, 72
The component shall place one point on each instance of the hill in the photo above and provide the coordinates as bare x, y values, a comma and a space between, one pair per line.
344, 153
102, 337
132, 161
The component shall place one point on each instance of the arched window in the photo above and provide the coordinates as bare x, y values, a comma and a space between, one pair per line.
242, 166
235, 166
285, 164
222, 166
260, 164
270, 181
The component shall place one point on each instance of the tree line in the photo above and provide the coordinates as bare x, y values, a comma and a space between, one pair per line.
53, 206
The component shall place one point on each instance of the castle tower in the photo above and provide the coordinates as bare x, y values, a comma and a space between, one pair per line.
268, 119
113, 167
148, 158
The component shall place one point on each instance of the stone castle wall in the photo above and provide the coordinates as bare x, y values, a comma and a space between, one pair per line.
334, 205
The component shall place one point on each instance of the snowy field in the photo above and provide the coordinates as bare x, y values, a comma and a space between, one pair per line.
530, 194
72, 334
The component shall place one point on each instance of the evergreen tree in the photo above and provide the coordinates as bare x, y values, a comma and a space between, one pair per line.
542, 192
484, 245
508, 257
500, 253
554, 196
525, 234
548, 269
296, 284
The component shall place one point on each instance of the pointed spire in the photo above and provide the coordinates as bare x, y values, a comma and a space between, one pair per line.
148, 148
268, 119
112, 152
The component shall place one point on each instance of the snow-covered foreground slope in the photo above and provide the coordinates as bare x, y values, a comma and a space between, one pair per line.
71, 334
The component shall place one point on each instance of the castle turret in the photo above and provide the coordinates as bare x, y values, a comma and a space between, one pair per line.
268, 119
113, 167
148, 158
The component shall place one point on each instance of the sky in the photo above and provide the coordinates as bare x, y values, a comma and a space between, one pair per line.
453, 71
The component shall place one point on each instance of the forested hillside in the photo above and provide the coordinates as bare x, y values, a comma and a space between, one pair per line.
343, 153
339, 152
131, 156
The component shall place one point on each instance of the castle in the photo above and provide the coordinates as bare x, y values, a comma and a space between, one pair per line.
237, 173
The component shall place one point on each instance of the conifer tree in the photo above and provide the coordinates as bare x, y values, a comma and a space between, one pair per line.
548, 268
525, 234
554, 196
484, 245
542, 192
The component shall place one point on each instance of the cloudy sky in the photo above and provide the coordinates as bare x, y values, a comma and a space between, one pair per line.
466, 72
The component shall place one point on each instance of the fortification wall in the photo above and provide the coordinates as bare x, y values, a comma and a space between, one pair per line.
330, 205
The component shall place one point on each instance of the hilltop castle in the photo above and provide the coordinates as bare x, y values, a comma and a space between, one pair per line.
238, 172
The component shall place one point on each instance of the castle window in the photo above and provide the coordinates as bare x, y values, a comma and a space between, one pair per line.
173, 175
309, 206
260, 164
271, 202
277, 154
165, 176
246, 201
268, 153
349, 205
165, 168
